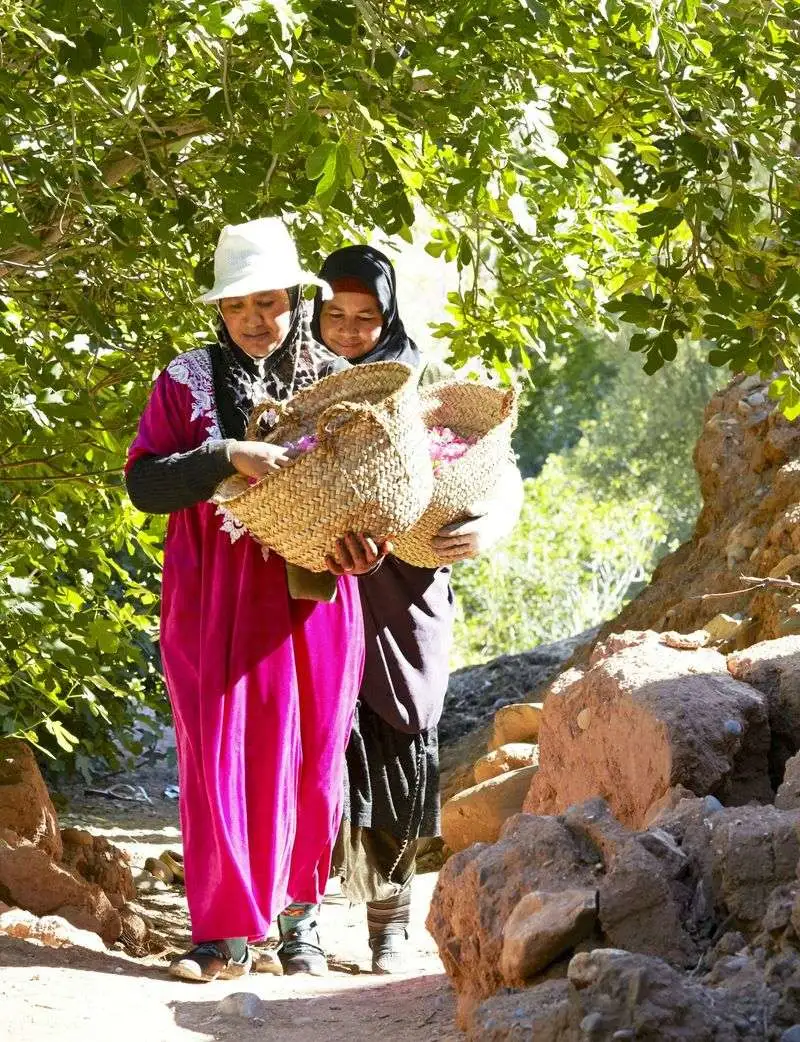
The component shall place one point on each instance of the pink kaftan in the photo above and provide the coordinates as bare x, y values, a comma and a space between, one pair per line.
262, 691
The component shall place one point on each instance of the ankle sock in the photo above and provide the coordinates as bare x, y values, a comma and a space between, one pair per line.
237, 946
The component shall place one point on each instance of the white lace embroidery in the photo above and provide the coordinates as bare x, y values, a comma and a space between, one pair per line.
193, 370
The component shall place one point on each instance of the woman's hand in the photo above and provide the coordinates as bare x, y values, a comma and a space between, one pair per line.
257, 459
356, 554
490, 520
463, 539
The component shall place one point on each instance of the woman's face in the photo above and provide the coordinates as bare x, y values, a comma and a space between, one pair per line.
259, 322
351, 324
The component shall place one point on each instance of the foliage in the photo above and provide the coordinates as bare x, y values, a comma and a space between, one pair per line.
641, 439
568, 565
597, 516
580, 161
564, 392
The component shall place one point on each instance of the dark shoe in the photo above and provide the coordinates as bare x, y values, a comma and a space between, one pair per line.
300, 950
210, 961
390, 951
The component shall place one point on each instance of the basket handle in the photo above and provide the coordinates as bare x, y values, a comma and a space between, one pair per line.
280, 409
339, 415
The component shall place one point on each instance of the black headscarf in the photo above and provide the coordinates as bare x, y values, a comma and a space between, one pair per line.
373, 270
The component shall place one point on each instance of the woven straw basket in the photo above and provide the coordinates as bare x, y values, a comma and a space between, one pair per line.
370, 471
470, 410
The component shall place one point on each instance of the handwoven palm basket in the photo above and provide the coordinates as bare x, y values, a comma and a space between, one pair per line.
471, 410
370, 471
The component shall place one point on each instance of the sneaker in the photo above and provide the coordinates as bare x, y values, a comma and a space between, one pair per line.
300, 950
390, 951
209, 961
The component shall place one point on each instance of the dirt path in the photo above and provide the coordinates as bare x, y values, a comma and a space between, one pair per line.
76, 995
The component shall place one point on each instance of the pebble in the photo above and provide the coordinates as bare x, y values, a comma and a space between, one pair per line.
624, 1033
711, 805
792, 1034
733, 727
240, 1004
584, 718
592, 1024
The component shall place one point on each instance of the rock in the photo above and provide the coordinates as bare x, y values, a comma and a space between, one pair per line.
723, 628
506, 758
542, 927
240, 1004
788, 795
668, 802
516, 723
50, 930
792, 1034
742, 854
686, 641
515, 1018
31, 880
135, 932
476, 815
266, 960
97, 861
773, 667
475, 692
617, 996
750, 484
479, 888
25, 804
660, 718
638, 910
661, 845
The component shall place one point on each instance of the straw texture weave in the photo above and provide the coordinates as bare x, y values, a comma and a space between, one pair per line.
370, 471
470, 410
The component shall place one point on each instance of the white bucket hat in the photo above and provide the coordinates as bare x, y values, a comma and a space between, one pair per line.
256, 257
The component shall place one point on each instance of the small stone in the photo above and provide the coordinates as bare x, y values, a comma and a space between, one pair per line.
624, 1033
158, 870
584, 719
240, 1004
592, 1023
711, 805
792, 1034
734, 728
265, 960
722, 627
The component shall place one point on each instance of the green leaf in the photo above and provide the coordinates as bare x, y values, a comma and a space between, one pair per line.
321, 160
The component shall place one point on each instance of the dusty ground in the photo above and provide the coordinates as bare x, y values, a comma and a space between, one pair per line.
74, 994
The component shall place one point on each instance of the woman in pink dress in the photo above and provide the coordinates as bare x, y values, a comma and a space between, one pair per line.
262, 686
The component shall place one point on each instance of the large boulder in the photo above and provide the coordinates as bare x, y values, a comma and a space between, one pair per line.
479, 889
741, 855
95, 860
31, 880
773, 668
644, 718
477, 814
25, 804
616, 995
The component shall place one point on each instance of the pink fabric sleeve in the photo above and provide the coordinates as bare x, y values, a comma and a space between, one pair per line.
165, 426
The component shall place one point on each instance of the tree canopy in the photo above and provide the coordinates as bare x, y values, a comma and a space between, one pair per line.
584, 163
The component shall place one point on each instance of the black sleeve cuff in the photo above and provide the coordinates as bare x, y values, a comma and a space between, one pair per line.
163, 484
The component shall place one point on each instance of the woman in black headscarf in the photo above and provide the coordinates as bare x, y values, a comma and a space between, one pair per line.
392, 758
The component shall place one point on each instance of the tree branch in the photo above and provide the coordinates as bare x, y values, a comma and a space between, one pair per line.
117, 169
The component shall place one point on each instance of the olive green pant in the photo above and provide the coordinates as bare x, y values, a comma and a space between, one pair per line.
372, 864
